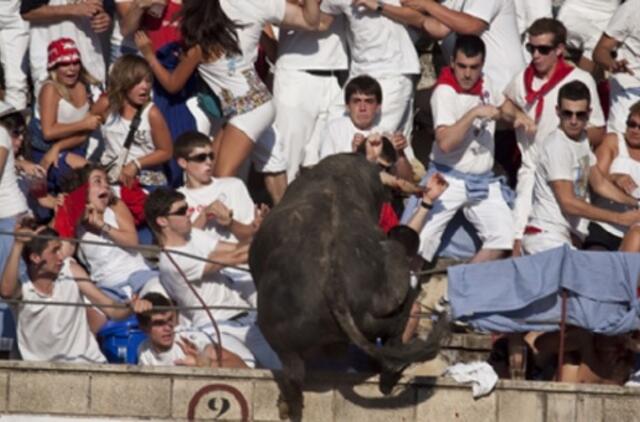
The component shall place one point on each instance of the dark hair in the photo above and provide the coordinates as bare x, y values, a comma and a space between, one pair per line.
156, 299
363, 84
470, 46
158, 204
78, 177
634, 109
37, 245
205, 24
13, 122
189, 141
407, 237
549, 26
574, 91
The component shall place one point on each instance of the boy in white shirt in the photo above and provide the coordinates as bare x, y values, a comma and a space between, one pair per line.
168, 345
55, 333
566, 169
193, 281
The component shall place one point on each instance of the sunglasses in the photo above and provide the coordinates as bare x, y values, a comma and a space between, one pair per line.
632, 125
580, 115
542, 49
162, 322
181, 212
201, 158
17, 132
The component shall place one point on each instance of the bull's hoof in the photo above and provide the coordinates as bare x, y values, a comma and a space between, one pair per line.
286, 411
283, 409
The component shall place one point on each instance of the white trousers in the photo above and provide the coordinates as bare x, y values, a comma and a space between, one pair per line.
397, 107
526, 178
621, 100
540, 242
491, 217
303, 103
14, 43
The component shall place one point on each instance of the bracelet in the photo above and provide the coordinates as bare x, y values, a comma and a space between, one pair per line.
426, 205
106, 228
137, 164
380, 7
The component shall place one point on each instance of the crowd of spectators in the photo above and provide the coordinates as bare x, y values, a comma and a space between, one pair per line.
142, 122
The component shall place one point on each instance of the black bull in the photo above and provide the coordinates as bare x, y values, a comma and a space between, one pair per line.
327, 275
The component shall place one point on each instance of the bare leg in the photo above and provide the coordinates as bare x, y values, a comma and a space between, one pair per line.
517, 356
75, 161
484, 255
235, 147
276, 184
631, 241
412, 324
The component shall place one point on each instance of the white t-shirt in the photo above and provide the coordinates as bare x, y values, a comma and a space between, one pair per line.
79, 30
549, 120
302, 50
528, 11
214, 288
561, 158
338, 136
56, 333
10, 15
148, 356
232, 192
379, 46
624, 27
476, 152
115, 130
502, 38
12, 200
109, 266
233, 78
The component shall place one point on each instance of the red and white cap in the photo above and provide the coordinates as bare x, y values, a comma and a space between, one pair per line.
62, 51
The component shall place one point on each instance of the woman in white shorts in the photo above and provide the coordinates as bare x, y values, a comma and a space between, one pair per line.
221, 40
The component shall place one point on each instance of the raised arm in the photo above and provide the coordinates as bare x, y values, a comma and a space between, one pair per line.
306, 16
459, 22
130, 14
435, 186
403, 15
10, 287
225, 254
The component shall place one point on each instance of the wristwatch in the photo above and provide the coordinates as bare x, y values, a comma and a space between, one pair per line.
426, 205
380, 6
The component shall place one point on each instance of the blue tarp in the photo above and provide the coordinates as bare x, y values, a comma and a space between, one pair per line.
523, 294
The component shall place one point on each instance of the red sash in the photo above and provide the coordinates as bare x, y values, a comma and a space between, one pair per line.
448, 78
559, 73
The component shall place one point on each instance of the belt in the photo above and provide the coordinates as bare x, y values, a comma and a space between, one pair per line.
532, 230
326, 73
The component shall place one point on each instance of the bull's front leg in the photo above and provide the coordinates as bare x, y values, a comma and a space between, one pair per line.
291, 381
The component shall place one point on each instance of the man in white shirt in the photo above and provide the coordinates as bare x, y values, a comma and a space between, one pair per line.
55, 333
465, 108
622, 38
492, 20
565, 171
52, 19
195, 280
168, 345
535, 92
380, 46
307, 62
14, 41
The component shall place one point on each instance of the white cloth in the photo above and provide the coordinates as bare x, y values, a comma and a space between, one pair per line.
379, 46
396, 114
14, 42
232, 192
624, 28
300, 50
109, 266
56, 333
115, 130
585, 21
148, 356
11, 197
528, 11
79, 30
67, 112
480, 374
338, 136
561, 158
491, 217
475, 154
502, 38
213, 288
547, 123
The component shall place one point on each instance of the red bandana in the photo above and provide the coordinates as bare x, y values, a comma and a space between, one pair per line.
562, 69
62, 51
71, 212
448, 78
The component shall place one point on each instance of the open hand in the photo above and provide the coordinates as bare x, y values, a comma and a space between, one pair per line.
436, 185
143, 42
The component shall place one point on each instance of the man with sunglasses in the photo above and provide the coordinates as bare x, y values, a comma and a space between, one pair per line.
565, 172
168, 215
535, 91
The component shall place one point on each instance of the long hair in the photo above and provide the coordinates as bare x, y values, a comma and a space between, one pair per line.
126, 73
205, 24
85, 78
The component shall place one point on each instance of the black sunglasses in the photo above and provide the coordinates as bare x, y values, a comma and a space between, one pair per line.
182, 211
580, 115
542, 49
201, 158
19, 131
632, 125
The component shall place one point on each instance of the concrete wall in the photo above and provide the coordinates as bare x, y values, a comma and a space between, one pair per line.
124, 392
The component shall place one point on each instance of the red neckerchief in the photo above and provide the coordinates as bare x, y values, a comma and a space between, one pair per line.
559, 73
448, 78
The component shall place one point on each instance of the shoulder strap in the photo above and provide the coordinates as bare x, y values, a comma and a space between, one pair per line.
135, 123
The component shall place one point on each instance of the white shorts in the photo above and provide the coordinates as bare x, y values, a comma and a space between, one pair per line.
540, 242
491, 217
268, 155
